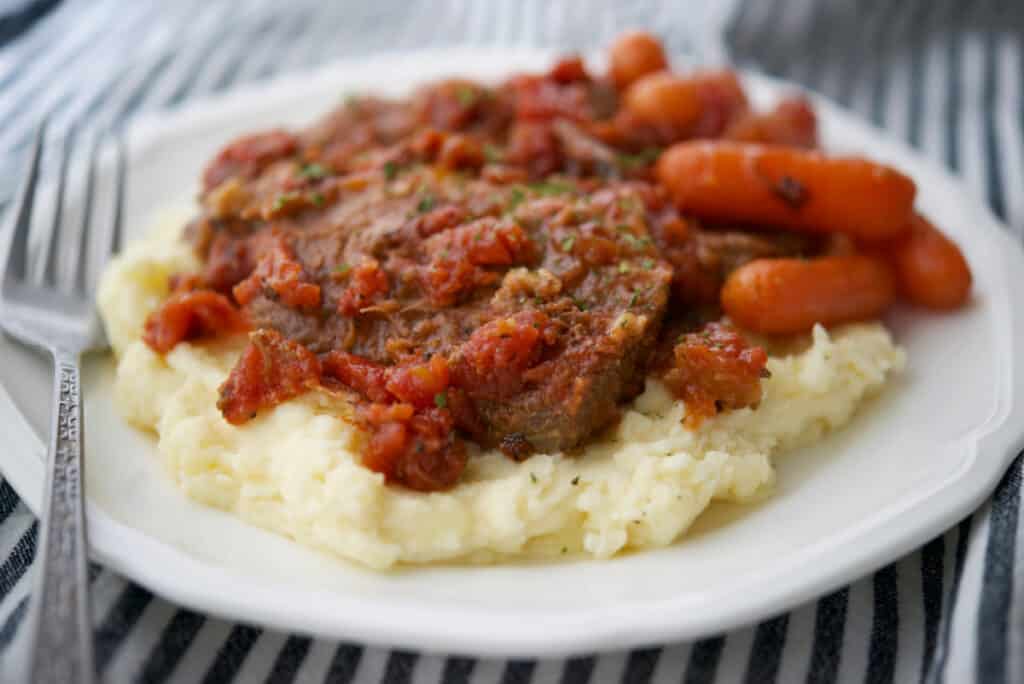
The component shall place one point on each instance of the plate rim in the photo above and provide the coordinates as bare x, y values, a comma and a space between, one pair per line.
613, 626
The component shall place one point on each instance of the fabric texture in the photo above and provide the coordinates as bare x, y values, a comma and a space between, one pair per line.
944, 75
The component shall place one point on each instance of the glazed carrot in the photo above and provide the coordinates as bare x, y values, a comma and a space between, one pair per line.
792, 122
664, 99
786, 296
702, 104
930, 270
788, 188
635, 54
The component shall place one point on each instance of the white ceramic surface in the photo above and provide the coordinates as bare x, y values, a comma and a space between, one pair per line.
911, 464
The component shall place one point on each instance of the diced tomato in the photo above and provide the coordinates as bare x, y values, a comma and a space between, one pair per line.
538, 97
417, 449
366, 282
420, 384
248, 155
715, 370
569, 70
270, 371
191, 314
491, 362
279, 272
448, 278
360, 373
439, 219
534, 145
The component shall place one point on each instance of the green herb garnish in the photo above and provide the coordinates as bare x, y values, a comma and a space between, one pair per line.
441, 400
284, 199
515, 198
623, 267
493, 153
426, 202
317, 198
342, 269
567, 243
314, 171
467, 96
551, 188
636, 242
390, 170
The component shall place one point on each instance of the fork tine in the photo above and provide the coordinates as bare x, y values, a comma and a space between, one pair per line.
52, 251
81, 266
17, 253
116, 231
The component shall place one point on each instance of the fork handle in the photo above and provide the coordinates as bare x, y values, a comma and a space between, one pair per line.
61, 629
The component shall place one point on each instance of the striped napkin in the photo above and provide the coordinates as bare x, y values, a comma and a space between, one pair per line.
945, 75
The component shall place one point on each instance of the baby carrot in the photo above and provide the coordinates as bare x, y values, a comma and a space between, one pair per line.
786, 296
783, 187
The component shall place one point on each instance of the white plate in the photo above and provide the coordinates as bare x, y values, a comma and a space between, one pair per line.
909, 466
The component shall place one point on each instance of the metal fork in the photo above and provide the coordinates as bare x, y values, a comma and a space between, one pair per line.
37, 311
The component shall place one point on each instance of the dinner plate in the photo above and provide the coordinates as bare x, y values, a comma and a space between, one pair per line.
912, 463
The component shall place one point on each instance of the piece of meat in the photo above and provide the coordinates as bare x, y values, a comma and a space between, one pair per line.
431, 272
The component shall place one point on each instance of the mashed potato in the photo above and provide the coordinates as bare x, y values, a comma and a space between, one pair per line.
295, 469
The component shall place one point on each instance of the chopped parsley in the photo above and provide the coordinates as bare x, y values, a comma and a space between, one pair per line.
317, 198
467, 96
580, 304
493, 153
551, 188
515, 198
632, 300
641, 159
636, 242
648, 264
314, 171
390, 170
533, 478
575, 480
568, 242
342, 269
441, 400
427, 202
281, 200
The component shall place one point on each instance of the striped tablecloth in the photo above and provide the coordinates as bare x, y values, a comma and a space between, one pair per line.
946, 75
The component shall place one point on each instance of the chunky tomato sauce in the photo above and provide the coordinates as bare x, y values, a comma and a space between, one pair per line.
494, 263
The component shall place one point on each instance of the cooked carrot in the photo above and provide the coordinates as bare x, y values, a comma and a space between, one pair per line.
930, 270
788, 188
785, 296
701, 104
635, 54
664, 99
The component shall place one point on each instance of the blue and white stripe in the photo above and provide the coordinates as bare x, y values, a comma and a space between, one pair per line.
945, 75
